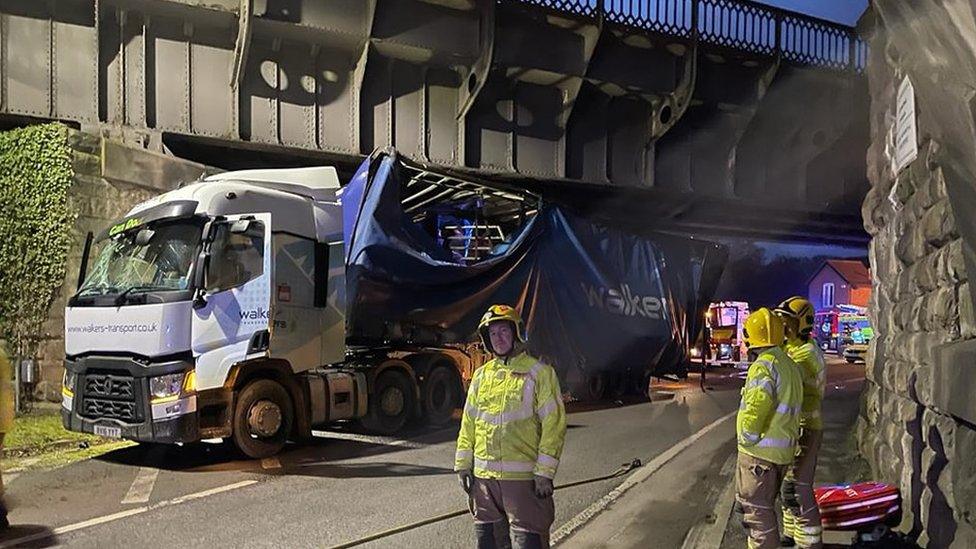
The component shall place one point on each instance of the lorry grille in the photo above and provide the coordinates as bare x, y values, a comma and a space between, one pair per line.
115, 409
109, 386
108, 395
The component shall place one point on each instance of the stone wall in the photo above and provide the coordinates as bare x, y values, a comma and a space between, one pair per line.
110, 177
918, 413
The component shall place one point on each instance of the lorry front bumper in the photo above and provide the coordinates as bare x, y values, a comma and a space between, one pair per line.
112, 395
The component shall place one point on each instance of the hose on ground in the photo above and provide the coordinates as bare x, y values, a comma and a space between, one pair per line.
622, 470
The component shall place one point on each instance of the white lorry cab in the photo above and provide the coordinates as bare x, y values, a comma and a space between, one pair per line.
217, 310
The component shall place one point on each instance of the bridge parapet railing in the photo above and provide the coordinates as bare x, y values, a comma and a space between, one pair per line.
736, 24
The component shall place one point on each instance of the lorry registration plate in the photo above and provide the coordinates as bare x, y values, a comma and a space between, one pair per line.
107, 431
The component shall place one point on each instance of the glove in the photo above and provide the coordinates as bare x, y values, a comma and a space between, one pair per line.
466, 479
543, 487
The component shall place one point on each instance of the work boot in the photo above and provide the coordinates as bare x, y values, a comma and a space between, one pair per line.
484, 533
526, 540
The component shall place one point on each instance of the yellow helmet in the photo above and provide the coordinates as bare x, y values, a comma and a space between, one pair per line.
501, 312
801, 310
763, 329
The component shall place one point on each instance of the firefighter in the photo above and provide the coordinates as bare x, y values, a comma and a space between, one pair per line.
801, 516
767, 426
512, 433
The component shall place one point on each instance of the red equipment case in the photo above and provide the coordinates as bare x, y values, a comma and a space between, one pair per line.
858, 506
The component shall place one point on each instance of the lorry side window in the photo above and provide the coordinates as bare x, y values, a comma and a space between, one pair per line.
237, 257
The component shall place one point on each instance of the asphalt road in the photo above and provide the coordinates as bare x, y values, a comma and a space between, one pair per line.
341, 488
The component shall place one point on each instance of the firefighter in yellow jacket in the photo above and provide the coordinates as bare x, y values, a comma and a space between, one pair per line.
512, 433
6, 420
801, 516
767, 426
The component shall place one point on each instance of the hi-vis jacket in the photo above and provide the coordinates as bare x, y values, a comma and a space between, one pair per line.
514, 423
811, 361
768, 422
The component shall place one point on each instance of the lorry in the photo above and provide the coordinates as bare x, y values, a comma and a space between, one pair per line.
254, 305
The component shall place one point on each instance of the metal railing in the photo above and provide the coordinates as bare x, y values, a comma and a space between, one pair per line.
736, 24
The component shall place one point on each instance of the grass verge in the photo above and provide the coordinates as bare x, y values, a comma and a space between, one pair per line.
38, 441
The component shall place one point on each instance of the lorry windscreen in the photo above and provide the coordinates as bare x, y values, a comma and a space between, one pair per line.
156, 257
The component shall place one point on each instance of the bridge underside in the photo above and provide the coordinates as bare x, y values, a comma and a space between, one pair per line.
715, 116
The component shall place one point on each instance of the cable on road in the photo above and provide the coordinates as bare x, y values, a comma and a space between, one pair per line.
622, 470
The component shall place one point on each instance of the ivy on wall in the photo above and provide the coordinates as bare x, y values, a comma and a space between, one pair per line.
35, 230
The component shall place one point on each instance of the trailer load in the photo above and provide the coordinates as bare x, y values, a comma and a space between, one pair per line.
255, 305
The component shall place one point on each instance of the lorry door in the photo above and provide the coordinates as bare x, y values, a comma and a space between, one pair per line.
234, 321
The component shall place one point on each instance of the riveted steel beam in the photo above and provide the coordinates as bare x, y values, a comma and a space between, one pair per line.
476, 75
243, 43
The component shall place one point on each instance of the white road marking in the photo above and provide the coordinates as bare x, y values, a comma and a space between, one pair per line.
9, 477
270, 463
142, 486
635, 478
370, 439
123, 514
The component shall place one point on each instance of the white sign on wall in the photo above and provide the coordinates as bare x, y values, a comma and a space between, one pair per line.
905, 129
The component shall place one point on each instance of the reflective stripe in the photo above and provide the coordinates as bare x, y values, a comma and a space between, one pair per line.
463, 455
787, 409
752, 438
525, 411
775, 443
766, 384
548, 408
504, 466
547, 461
773, 372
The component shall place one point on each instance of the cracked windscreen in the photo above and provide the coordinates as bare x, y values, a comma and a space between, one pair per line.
155, 257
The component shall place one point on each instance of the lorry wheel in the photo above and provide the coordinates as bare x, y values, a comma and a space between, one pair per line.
263, 417
390, 404
440, 395
592, 387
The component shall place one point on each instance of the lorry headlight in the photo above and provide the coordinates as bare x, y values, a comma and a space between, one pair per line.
695, 352
166, 387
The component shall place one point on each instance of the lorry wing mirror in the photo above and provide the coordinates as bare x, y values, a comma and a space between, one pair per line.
83, 270
199, 278
144, 236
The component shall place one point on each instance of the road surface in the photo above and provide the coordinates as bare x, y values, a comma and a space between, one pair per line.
340, 488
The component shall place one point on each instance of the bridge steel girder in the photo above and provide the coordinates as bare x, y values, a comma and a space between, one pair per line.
575, 94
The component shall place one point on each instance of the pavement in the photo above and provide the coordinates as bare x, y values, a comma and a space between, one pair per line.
343, 486
698, 483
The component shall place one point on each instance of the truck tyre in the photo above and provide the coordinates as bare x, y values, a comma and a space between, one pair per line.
592, 388
390, 404
440, 395
263, 417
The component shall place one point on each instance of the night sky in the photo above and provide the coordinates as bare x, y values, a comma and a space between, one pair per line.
840, 11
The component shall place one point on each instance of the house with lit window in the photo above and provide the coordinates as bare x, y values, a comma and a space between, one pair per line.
840, 282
